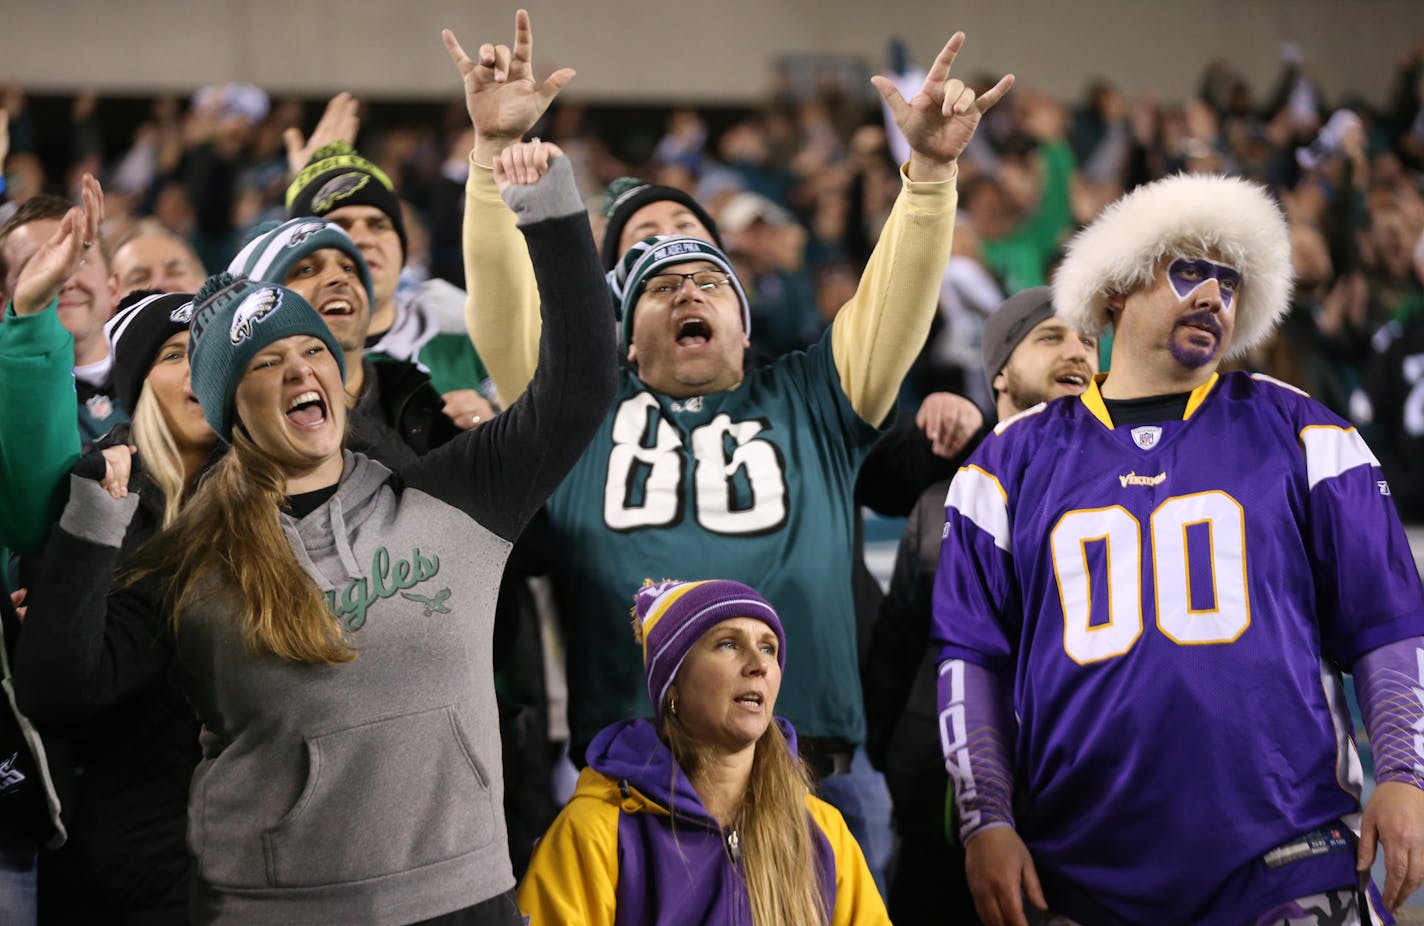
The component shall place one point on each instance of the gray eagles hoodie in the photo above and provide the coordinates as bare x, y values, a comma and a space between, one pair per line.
368, 792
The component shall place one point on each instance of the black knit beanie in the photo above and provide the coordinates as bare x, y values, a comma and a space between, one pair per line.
143, 321
627, 195
337, 176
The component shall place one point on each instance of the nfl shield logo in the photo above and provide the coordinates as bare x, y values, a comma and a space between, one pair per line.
1147, 437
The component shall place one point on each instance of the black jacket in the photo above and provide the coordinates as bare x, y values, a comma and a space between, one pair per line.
901, 715
400, 417
127, 860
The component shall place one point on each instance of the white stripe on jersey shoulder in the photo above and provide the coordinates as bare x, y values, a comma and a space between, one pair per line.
1331, 450
978, 496
1002, 426
1263, 378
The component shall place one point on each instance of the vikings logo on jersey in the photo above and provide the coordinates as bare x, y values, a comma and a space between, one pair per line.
338, 188
252, 311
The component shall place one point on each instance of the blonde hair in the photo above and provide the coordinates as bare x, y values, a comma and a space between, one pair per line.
162, 463
779, 861
231, 529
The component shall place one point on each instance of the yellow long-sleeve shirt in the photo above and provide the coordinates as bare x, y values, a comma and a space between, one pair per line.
874, 338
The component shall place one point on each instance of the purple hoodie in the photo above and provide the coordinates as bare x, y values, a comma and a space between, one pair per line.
674, 868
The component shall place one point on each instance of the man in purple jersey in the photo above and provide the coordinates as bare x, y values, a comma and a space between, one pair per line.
1145, 599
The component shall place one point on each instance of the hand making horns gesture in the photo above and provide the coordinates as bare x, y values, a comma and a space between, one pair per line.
941, 118
501, 94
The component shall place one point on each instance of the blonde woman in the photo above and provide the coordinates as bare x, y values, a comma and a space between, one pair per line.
125, 858
702, 814
331, 620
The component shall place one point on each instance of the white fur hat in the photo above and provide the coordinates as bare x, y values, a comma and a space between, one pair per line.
1189, 215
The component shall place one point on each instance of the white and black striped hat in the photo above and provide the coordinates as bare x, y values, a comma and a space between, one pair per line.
144, 320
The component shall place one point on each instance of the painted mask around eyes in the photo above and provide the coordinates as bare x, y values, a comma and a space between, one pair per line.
1187, 274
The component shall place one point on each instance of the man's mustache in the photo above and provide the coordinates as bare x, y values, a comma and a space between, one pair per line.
1205, 320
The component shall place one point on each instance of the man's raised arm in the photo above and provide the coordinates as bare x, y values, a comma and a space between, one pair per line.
504, 102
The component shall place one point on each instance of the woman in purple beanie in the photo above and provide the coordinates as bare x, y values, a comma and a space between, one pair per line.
703, 813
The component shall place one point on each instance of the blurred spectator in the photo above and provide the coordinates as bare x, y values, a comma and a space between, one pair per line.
152, 257
769, 246
1394, 384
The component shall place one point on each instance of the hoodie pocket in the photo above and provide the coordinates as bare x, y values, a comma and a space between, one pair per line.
382, 798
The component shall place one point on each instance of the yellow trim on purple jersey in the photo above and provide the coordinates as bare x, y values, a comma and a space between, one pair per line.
1199, 395
1093, 399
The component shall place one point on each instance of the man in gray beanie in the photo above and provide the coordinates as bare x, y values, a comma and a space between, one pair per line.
1031, 356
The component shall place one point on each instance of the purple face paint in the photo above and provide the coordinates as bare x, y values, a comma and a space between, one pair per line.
1188, 274
1196, 339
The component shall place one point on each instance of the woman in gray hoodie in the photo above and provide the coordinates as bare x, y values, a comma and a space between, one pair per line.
329, 619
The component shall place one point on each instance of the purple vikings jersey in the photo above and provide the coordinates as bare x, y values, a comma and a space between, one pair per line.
1171, 604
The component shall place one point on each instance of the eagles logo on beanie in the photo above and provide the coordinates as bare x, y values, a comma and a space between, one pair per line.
670, 616
233, 319
627, 195
273, 249
338, 176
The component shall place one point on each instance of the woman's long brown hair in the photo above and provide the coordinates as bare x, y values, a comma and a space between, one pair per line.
231, 530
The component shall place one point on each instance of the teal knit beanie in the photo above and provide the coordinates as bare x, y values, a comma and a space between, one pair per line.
233, 319
273, 249
652, 256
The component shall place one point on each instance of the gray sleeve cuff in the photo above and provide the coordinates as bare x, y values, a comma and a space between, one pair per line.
93, 515
553, 196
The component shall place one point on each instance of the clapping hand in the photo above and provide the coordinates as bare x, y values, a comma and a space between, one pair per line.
45, 274
339, 122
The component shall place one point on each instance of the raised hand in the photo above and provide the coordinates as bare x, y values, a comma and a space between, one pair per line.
525, 163
503, 99
338, 122
939, 120
4, 138
45, 274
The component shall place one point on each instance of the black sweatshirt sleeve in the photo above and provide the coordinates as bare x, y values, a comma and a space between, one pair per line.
902, 464
502, 472
83, 647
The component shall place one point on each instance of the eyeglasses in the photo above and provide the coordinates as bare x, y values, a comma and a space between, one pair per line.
666, 285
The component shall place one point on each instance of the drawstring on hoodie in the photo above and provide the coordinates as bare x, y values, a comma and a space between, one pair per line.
341, 540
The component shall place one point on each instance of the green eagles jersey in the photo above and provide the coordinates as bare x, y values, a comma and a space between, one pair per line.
754, 484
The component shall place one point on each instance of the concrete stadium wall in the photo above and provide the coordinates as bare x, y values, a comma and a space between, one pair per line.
719, 51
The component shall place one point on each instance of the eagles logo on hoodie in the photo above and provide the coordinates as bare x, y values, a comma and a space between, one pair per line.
337, 188
252, 311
